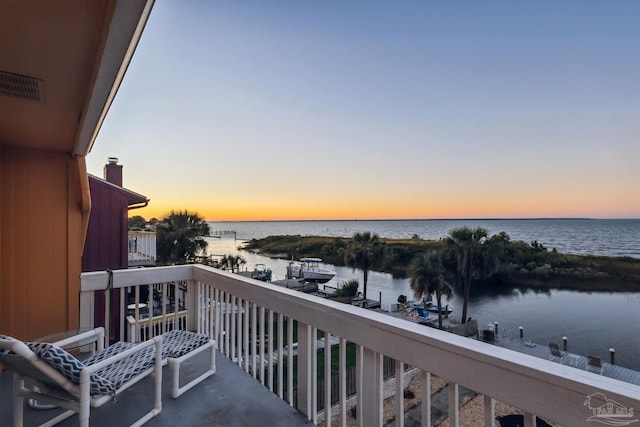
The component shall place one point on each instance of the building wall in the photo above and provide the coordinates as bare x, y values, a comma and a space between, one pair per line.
41, 239
106, 244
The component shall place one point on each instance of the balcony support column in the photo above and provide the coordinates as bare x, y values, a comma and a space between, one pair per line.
371, 391
305, 395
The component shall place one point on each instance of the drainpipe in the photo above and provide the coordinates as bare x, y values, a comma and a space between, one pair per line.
139, 205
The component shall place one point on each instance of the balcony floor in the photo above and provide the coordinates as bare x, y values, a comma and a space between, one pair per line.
230, 398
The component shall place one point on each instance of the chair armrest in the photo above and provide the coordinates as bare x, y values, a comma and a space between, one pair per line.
95, 335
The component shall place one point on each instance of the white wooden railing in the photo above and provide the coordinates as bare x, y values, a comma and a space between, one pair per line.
141, 248
246, 317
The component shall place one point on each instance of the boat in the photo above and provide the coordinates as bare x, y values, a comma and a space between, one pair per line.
446, 310
259, 272
309, 269
428, 305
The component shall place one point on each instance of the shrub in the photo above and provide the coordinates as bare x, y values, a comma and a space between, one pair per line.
348, 289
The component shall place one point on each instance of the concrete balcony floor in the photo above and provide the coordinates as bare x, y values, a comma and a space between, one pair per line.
231, 397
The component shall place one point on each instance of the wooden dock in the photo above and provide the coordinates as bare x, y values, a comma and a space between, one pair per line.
538, 350
571, 359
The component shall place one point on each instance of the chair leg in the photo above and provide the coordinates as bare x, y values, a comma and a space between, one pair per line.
176, 390
18, 401
85, 401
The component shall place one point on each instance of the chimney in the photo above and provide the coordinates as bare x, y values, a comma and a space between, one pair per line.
113, 171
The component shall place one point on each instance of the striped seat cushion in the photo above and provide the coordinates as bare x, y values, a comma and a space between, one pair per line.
177, 343
122, 371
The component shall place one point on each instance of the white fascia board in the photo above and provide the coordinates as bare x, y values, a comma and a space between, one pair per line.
129, 20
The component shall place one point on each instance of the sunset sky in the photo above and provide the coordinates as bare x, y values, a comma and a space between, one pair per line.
374, 110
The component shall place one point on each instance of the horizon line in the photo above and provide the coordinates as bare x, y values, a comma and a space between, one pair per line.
431, 219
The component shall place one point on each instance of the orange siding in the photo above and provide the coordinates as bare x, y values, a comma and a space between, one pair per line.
40, 236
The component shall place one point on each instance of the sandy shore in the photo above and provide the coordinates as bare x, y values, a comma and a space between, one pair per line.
471, 413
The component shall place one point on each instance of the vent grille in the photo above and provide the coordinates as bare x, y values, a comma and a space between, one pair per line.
21, 86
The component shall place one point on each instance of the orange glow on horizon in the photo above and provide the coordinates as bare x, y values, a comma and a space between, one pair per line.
297, 213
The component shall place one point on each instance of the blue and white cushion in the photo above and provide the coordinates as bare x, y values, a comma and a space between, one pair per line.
3, 350
177, 343
120, 372
70, 367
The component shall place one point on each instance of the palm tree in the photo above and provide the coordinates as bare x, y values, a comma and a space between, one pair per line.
232, 262
180, 236
427, 277
365, 251
475, 256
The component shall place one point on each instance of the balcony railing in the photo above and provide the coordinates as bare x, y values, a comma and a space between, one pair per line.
262, 327
142, 248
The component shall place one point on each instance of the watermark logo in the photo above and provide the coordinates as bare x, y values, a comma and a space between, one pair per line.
608, 411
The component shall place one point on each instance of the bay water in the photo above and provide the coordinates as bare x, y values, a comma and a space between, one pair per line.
593, 322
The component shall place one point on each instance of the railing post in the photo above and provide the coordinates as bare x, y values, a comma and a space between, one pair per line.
489, 411
529, 420
371, 391
304, 369
87, 310
425, 406
453, 404
191, 302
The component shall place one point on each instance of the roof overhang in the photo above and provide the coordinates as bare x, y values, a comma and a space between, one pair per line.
132, 197
61, 64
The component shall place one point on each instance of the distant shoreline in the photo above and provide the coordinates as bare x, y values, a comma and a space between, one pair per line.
527, 267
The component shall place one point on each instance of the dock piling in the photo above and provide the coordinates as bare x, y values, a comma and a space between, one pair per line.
564, 343
612, 356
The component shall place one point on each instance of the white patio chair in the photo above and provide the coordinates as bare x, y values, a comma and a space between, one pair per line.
594, 364
555, 353
56, 377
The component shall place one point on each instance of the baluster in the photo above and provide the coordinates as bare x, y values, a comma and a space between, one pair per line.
327, 378
254, 338
343, 381
425, 405
246, 335
290, 360
399, 393
280, 356
232, 308
314, 374
270, 349
261, 333
489, 411
453, 405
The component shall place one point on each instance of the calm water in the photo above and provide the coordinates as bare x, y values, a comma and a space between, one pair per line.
593, 322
